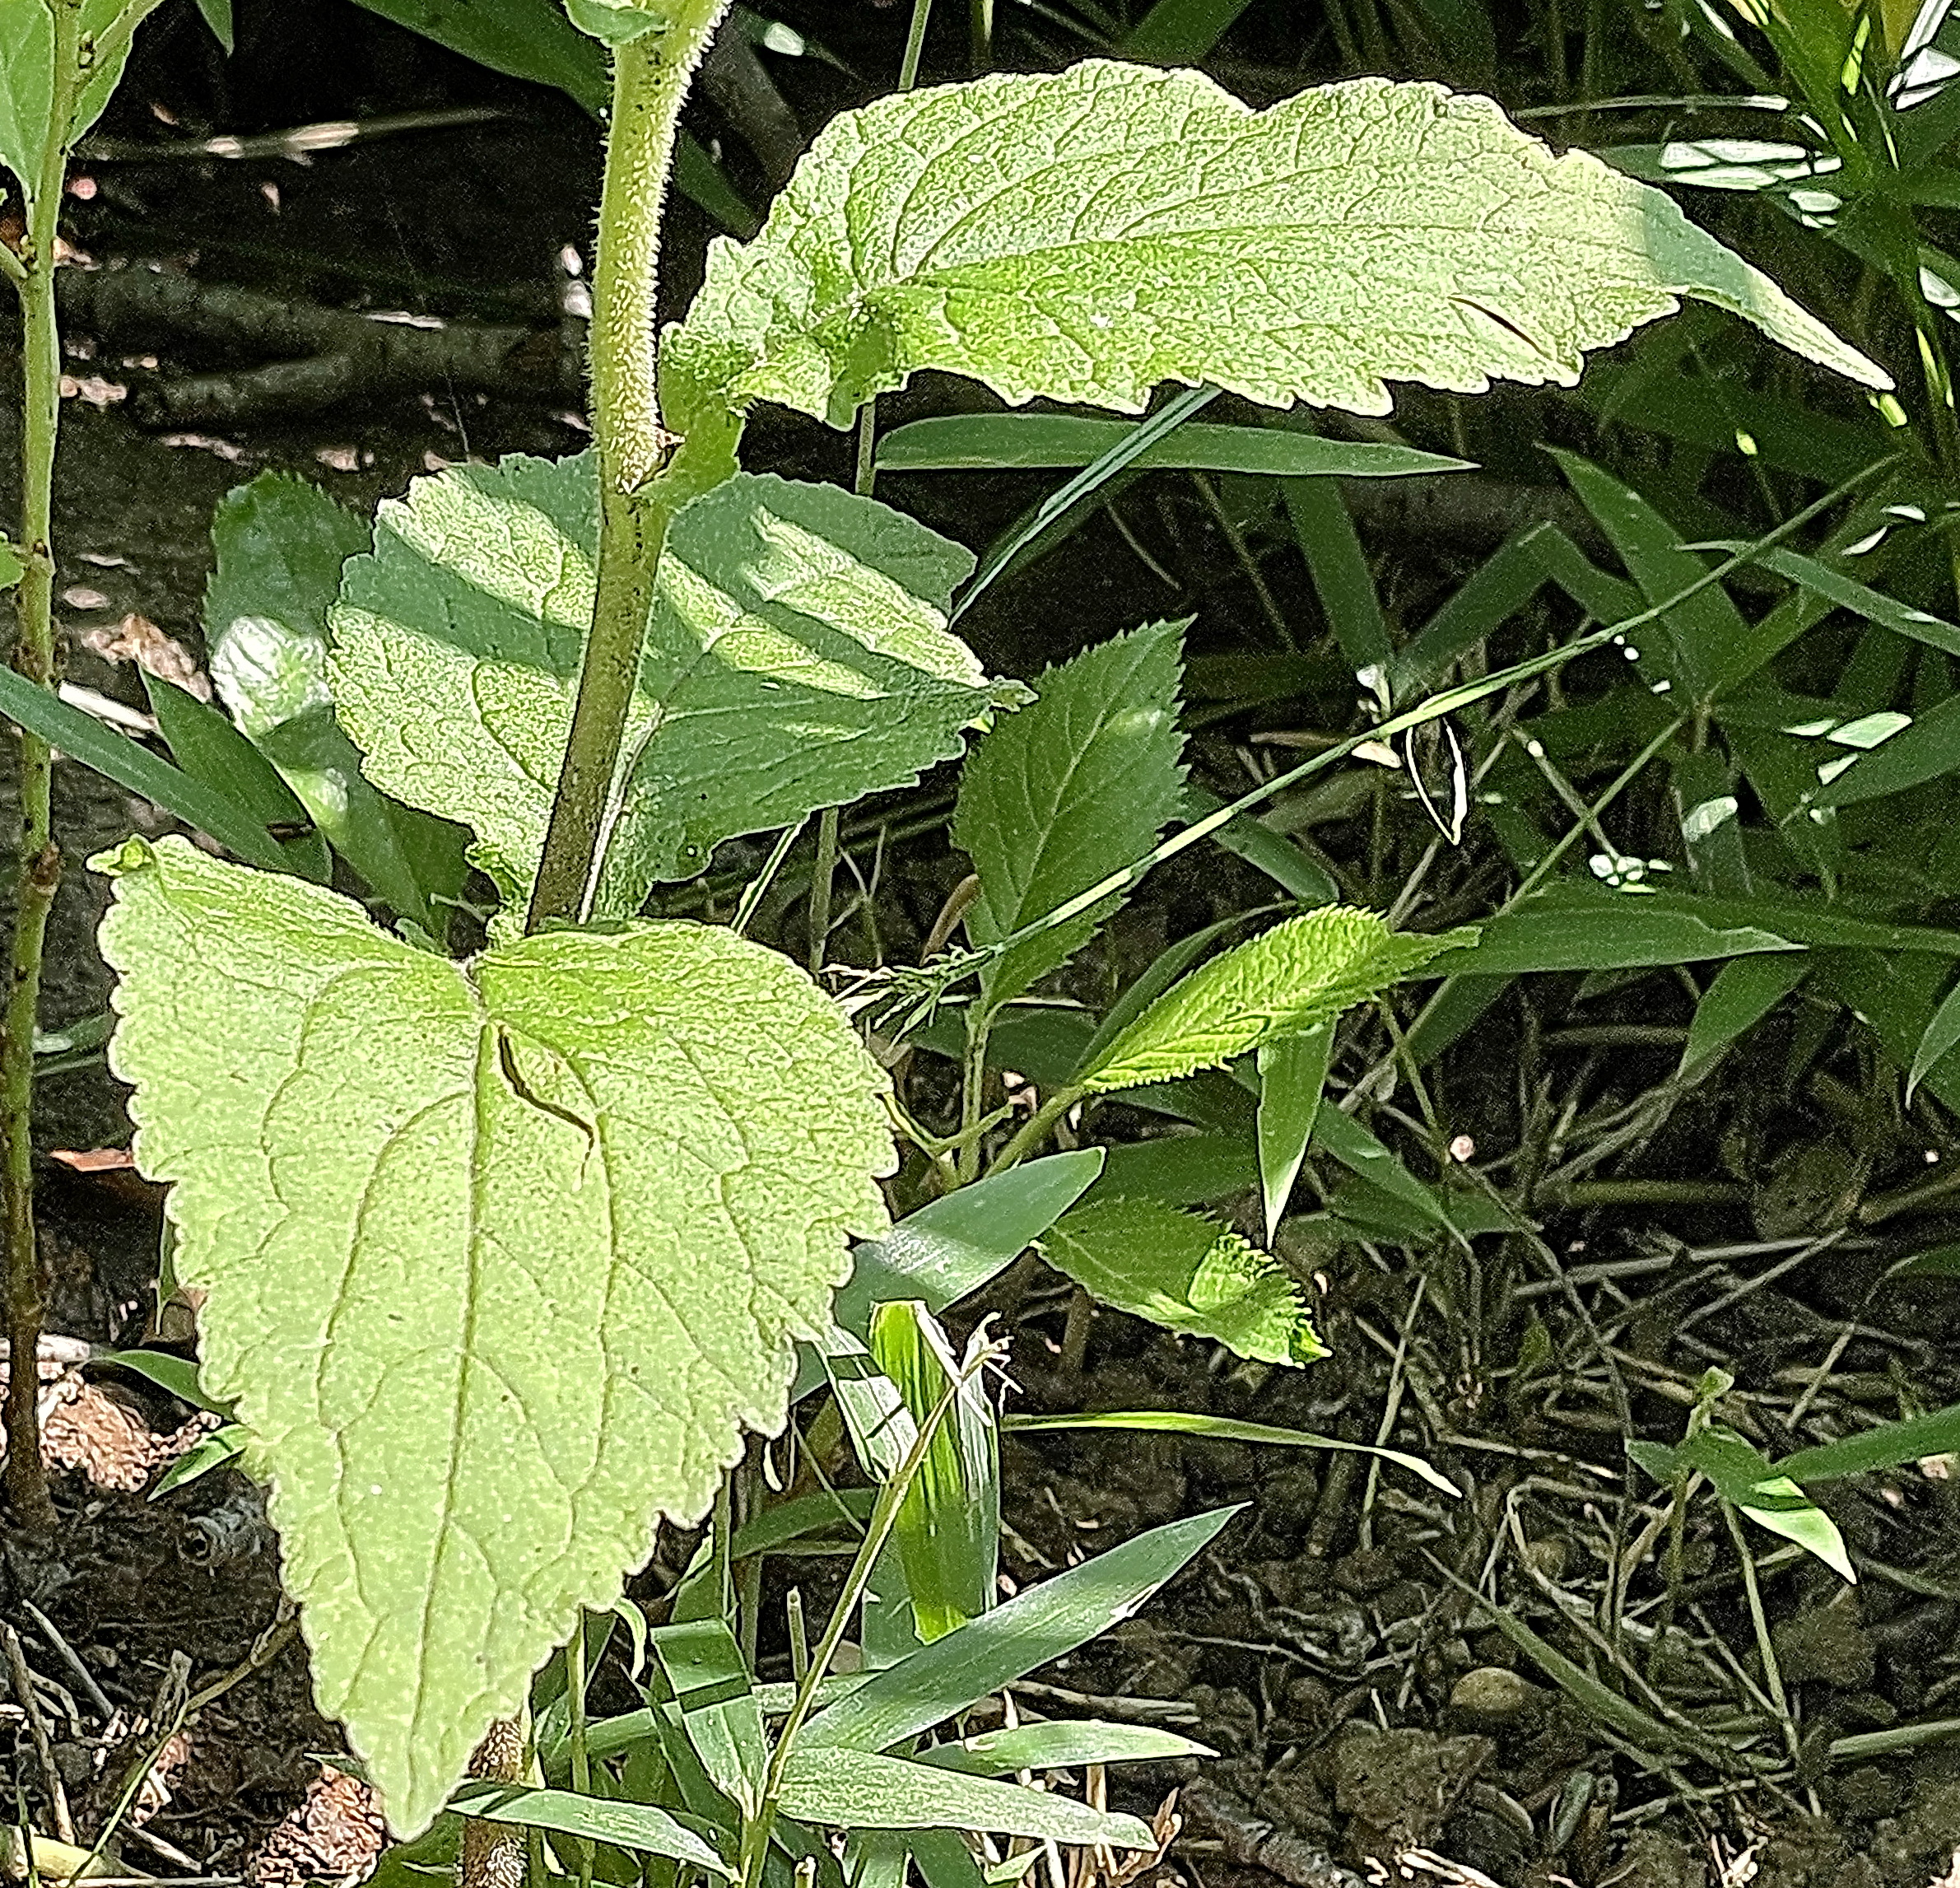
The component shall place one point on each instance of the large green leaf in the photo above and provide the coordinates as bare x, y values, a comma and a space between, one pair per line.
1187, 1273
1062, 795
1282, 983
797, 657
497, 1259
279, 545
1085, 235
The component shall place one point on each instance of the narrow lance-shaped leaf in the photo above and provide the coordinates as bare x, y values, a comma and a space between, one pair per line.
1278, 984
1086, 235
1062, 795
797, 657
1186, 1272
497, 1259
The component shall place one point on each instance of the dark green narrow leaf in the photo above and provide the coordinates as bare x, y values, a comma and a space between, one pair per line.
208, 747
1743, 992
82, 738
1327, 539
1182, 32
991, 441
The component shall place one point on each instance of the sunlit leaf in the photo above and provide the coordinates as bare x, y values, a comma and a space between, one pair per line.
497, 1259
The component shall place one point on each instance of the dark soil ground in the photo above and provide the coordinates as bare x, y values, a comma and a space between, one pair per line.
1373, 1722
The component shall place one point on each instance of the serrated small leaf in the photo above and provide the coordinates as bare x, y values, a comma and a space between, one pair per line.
1303, 971
797, 657
497, 1259
1086, 235
1064, 793
12, 569
1187, 1273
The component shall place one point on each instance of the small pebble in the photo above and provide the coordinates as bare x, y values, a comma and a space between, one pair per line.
1489, 1695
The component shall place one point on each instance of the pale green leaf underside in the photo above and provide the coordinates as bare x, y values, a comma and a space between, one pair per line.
497, 1258
1086, 235
1064, 792
797, 657
1284, 981
1186, 1272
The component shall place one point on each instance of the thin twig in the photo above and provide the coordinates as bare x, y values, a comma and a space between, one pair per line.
37, 1726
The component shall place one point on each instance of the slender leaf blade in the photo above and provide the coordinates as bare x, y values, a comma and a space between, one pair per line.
860, 1789
1038, 1624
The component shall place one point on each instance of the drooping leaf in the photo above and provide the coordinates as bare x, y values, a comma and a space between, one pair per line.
1292, 1071
1743, 1477
860, 1789
1063, 794
497, 1258
207, 745
1086, 235
280, 544
797, 657
1743, 992
1187, 1273
115, 756
1280, 983
643, 1827
218, 16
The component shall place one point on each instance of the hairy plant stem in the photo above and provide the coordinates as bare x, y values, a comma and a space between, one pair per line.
39, 870
650, 76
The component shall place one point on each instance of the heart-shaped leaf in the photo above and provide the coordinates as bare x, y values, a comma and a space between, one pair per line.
498, 1259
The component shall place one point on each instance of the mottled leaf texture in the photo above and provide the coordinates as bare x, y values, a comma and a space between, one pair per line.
1284, 981
498, 1258
1086, 235
1186, 1272
1068, 791
797, 657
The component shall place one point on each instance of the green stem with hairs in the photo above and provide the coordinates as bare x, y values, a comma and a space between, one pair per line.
39, 870
650, 76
